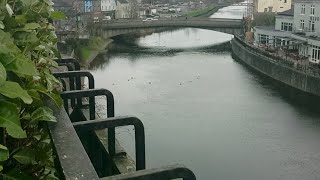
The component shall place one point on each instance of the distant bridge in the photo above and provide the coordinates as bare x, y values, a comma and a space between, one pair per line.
114, 28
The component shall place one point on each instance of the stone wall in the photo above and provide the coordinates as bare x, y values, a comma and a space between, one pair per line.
305, 79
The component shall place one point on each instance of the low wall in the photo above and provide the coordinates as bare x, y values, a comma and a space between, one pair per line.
304, 79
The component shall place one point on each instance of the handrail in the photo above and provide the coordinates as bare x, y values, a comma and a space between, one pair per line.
85, 126
68, 60
77, 75
164, 173
66, 142
91, 93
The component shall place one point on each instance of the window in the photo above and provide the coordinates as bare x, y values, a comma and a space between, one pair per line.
285, 1
286, 26
312, 9
303, 9
263, 39
312, 26
265, 9
315, 53
302, 24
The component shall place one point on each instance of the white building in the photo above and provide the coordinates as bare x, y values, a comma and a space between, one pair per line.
108, 5
123, 9
271, 5
299, 27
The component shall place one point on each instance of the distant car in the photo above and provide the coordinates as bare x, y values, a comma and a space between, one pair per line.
95, 19
106, 18
148, 19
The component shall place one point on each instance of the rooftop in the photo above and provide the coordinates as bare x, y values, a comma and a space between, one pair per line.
289, 12
307, 1
123, 1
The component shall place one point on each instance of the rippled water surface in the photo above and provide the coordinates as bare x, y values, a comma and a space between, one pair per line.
205, 110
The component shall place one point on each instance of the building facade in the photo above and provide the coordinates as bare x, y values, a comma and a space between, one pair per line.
271, 5
122, 9
297, 29
108, 5
96, 5
88, 6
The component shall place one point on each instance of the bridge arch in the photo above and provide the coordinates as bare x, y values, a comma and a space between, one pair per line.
115, 28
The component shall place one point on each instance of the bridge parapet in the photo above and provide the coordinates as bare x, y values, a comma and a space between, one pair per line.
174, 22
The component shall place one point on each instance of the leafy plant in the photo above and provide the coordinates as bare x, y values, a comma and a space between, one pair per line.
27, 45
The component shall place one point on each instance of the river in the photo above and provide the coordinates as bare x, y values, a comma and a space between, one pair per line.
203, 109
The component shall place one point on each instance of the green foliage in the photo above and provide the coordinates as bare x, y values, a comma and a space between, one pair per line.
27, 45
200, 12
264, 19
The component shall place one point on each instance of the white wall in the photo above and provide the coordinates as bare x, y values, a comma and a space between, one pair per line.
277, 5
281, 19
108, 5
270, 33
122, 10
307, 16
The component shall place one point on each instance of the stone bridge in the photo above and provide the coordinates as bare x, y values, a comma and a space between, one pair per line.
119, 27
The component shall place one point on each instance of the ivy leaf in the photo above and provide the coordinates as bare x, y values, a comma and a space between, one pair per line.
13, 90
56, 53
23, 38
1, 25
58, 15
31, 26
9, 119
16, 175
21, 19
1, 168
43, 114
36, 97
25, 156
3, 74
54, 96
4, 153
9, 9
23, 66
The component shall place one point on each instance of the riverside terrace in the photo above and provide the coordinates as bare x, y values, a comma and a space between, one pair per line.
118, 27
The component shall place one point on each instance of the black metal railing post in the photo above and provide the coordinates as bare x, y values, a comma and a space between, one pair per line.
91, 93
111, 123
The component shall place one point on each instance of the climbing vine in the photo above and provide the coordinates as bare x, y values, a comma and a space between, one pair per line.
27, 45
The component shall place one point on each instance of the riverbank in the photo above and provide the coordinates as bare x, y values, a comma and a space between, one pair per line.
302, 77
95, 46
205, 12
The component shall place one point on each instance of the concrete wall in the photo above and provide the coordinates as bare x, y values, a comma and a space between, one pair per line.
277, 70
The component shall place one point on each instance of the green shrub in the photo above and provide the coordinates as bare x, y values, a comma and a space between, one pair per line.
27, 45
264, 19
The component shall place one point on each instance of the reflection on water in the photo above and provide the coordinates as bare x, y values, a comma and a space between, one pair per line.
231, 12
183, 38
205, 110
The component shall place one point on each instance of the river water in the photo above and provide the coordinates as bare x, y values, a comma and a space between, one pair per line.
203, 109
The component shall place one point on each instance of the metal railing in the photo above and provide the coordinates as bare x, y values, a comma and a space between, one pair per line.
63, 133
